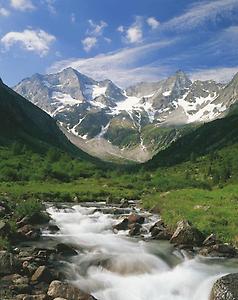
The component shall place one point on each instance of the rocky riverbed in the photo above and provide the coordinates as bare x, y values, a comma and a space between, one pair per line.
114, 252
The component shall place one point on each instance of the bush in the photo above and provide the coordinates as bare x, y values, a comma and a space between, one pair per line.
28, 207
4, 244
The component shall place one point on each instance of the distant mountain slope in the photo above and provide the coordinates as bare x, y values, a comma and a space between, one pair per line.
132, 120
205, 139
22, 121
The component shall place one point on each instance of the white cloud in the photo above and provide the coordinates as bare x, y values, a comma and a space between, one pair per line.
120, 29
89, 43
153, 23
202, 12
22, 5
134, 34
219, 74
123, 66
4, 12
37, 41
225, 37
50, 6
93, 33
96, 29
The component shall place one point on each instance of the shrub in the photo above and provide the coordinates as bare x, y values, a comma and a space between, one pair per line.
4, 244
29, 208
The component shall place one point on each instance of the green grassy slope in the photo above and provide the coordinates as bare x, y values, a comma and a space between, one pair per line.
205, 139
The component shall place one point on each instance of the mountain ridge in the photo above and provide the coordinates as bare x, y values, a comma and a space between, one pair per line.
24, 122
99, 110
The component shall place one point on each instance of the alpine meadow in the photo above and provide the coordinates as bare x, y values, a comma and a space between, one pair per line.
119, 150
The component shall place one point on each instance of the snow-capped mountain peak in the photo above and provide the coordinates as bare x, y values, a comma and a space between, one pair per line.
99, 109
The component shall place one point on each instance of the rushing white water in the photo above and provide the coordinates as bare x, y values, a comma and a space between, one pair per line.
115, 267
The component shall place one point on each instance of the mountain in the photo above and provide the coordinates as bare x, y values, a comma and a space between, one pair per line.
135, 123
206, 139
24, 122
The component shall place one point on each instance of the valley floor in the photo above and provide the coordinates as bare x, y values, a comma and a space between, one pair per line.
211, 211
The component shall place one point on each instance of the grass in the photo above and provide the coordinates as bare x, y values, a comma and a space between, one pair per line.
212, 211
4, 243
185, 191
87, 189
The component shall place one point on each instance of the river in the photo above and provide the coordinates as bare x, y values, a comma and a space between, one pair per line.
114, 266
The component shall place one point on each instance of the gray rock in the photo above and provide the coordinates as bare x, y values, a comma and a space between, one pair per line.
210, 240
66, 250
219, 250
53, 228
66, 290
135, 229
135, 218
42, 274
28, 232
124, 203
225, 288
123, 225
32, 297
186, 234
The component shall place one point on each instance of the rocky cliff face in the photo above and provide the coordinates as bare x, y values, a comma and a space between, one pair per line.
131, 118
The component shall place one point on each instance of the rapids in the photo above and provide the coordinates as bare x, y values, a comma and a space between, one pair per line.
114, 266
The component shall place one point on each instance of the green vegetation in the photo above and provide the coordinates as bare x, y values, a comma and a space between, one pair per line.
195, 178
210, 211
122, 132
205, 139
159, 138
29, 207
204, 189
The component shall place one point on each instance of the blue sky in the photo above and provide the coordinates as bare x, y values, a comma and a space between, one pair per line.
126, 41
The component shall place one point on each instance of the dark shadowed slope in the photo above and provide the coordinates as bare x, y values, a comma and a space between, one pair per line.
205, 139
24, 122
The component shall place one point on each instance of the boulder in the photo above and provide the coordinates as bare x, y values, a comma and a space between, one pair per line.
159, 231
159, 225
135, 218
123, 225
225, 288
210, 240
21, 288
42, 274
24, 221
18, 279
53, 228
20, 284
28, 232
65, 290
29, 268
65, 250
124, 203
32, 297
35, 219
162, 235
135, 229
186, 234
219, 250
